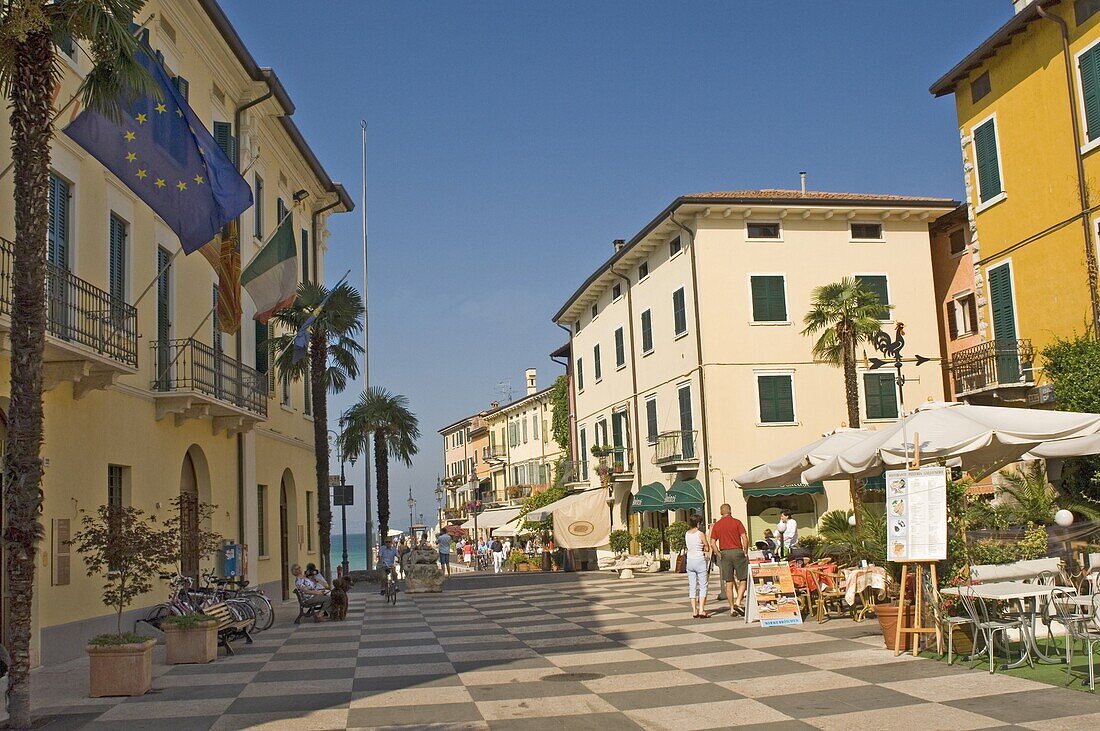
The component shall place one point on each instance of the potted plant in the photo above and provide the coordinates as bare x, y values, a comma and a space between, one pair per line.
127, 548
191, 638
649, 539
675, 534
620, 542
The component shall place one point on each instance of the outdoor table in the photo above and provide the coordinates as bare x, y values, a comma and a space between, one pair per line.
864, 583
1027, 596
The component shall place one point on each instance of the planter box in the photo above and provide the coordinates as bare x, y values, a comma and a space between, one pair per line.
195, 645
888, 621
120, 670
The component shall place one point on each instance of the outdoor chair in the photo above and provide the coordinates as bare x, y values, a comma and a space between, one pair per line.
830, 594
990, 625
948, 624
1080, 624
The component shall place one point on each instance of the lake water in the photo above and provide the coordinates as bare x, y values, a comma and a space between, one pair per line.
357, 551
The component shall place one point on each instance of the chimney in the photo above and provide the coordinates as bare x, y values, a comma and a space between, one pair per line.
494, 405
802, 179
532, 383
619, 244
1018, 5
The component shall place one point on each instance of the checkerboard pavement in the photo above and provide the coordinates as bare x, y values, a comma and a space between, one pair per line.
568, 652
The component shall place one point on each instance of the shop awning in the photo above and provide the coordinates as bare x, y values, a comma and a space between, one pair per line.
650, 499
492, 518
783, 490
541, 513
685, 495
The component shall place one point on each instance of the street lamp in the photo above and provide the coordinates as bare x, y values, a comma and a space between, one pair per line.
339, 439
439, 501
411, 502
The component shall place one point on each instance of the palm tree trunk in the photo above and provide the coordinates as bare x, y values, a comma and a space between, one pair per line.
382, 472
32, 84
851, 396
318, 359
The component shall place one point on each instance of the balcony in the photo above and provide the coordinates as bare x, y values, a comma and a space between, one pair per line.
194, 381
619, 461
573, 473
676, 450
91, 336
494, 454
998, 369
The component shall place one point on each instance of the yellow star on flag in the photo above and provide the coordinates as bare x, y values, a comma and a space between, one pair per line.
141, 174
179, 112
181, 185
131, 156
130, 136
160, 182
198, 180
141, 119
161, 109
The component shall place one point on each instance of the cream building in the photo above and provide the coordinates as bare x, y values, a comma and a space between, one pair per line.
689, 365
144, 399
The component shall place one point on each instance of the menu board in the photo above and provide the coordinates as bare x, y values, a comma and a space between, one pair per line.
772, 598
916, 514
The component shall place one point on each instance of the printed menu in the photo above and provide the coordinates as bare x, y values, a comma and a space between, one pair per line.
916, 514
772, 595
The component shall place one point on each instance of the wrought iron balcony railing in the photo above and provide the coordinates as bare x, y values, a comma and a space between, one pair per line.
618, 459
676, 446
188, 365
78, 312
992, 364
572, 471
493, 451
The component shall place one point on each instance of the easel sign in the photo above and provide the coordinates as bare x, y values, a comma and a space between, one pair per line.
916, 535
772, 598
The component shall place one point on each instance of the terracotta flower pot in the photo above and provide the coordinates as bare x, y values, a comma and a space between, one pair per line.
197, 644
120, 670
888, 620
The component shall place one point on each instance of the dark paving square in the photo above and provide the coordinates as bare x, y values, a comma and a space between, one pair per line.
1031, 705
299, 703
399, 658
838, 700
189, 692
891, 672
216, 667
620, 668
588, 722
805, 649
529, 689
681, 695
520, 663
688, 648
64, 721
178, 723
384, 684
743, 670
370, 641
273, 676
452, 713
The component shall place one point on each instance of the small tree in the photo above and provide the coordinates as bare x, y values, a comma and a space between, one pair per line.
126, 547
559, 424
620, 541
649, 539
204, 543
675, 534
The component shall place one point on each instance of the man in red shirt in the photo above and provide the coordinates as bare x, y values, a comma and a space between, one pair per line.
733, 561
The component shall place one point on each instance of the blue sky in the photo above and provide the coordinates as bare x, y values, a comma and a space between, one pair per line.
511, 142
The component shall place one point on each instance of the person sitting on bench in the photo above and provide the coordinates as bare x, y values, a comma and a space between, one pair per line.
312, 594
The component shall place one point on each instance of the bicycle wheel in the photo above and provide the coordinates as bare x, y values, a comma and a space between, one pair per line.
265, 612
159, 613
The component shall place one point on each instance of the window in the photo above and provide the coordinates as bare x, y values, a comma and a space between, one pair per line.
962, 316
620, 348
280, 211
258, 205
60, 194
979, 88
584, 453
67, 46
223, 136
687, 422
114, 486
1085, 9
601, 432
643, 270
616, 291
261, 519
956, 241
877, 284
881, 396
576, 327
284, 398
535, 427
116, 275
679, 311
776, 399
867, 232
988, 160
769, 298
580, 374
763, 230
674, 247
1089, 66
651, 419
305, 256
182, 86
525, 431
597, 366
595, 312
261, 347
647, 332
309, 521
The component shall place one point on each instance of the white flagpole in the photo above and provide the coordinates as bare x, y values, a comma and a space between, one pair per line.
367, 461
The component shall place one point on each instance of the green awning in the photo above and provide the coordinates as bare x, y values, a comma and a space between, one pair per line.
685, 495
875, 483
650, 499
782, 490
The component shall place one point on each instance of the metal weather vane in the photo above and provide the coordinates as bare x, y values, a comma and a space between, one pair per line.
892, 348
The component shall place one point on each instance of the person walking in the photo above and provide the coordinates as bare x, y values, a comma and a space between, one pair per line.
482, 554
497, 549
698, 566
443, 541
731, 541
787, 529
467, 553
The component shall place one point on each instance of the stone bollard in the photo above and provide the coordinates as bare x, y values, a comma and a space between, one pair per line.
422, 572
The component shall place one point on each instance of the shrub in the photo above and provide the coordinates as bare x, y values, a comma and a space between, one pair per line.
517, 556
189, 621
675, 535
1033, 544
620, 541
813, 543
991, 552
649, 539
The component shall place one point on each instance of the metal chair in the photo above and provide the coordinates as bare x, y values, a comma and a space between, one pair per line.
990, 626
948, 624
1080, 627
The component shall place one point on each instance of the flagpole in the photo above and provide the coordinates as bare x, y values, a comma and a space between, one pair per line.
366, 347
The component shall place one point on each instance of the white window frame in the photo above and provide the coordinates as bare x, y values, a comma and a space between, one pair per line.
979, 206
786, 301
956, 302
594, 310
764, 222
613, 286
881, 231
1089, 146
889, 292
640, 277
679, 251
860, 373
756, 393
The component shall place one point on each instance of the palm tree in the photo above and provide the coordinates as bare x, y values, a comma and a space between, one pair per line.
333, 359
1032, 499
29, 73
844, 314
386, 416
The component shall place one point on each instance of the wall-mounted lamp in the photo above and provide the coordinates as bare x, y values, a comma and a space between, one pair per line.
300, 195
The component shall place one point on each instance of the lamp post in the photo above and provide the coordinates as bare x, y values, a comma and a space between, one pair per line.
439, 501
411, 502
339, 439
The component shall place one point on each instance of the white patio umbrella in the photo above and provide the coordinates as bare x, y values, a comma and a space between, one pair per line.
788, 469
974, 437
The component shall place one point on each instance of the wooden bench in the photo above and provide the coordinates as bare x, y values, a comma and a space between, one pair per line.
308, 606
229, 627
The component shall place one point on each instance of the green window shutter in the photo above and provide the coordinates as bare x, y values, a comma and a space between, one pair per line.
1089, 64
261, 347
620, 348
163, 295
182, 86
647, 331
258, 206
989, 168
651, 420
580, 374
878, 284
679, 311
769, 303
597, 367
58, 222
952, 320
223, 135
117, 258
776, 399
881, 396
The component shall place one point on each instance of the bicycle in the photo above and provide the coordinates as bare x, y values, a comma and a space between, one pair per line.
389, 586
236, 590
183, 600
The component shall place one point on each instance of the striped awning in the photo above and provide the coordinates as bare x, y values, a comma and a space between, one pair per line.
650, 499
783, 490
685, 495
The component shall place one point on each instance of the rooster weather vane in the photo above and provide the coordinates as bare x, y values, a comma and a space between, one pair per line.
891, 348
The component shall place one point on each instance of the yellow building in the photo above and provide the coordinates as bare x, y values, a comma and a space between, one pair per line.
145, 400
1028, 104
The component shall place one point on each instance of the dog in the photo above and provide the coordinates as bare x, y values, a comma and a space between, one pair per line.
339, 596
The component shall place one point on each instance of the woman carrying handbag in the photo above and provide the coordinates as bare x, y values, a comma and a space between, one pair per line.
698, 567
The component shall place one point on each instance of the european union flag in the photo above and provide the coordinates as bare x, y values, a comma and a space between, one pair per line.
163, 153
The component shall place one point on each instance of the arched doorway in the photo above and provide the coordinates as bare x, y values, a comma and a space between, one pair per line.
189, 518
288, 529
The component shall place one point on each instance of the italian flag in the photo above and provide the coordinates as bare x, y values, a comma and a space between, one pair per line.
271, 278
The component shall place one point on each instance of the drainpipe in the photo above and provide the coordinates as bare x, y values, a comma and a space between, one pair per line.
1082, 189
572, 403
702, 380
633, 380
